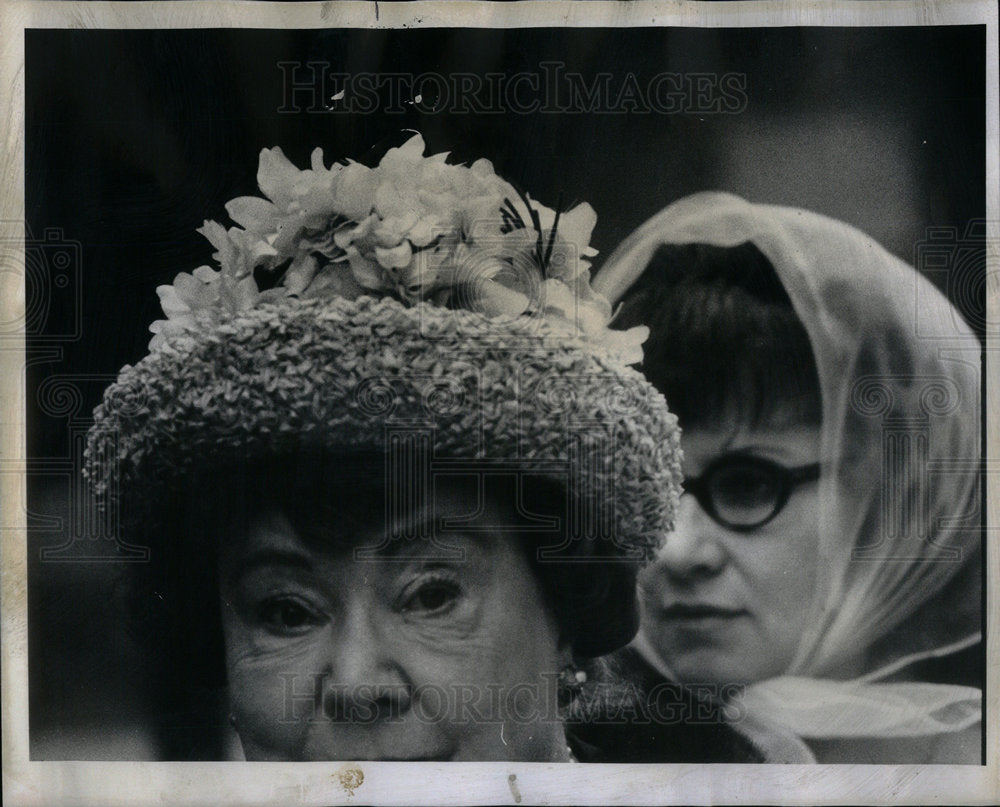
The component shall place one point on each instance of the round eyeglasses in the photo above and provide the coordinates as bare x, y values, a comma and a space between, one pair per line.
742, 492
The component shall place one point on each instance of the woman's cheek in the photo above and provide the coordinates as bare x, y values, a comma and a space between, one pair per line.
447, 634
275, 694
651, 585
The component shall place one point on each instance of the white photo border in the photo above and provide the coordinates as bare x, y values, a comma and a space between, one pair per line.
118, 783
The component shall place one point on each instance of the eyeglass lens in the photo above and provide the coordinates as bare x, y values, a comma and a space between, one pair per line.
745, 493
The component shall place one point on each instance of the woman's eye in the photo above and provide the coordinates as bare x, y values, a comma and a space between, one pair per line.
746, 489
432, 597
286, 616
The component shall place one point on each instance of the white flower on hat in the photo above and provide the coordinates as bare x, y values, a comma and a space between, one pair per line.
415, 228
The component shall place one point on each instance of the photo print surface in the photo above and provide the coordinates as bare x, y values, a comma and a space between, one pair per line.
400, 477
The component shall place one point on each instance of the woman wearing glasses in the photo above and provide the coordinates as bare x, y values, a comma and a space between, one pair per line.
370, 469
827, 558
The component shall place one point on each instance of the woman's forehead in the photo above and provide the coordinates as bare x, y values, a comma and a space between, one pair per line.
447, 529
786, 441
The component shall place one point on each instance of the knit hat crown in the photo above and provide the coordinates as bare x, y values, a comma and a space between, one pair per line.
416, 304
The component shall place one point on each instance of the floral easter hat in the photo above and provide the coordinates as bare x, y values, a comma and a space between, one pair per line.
354, 302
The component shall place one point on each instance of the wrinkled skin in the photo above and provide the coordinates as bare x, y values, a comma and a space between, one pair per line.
402, 657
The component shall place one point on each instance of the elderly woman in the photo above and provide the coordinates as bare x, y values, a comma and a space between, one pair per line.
827, 556
395, 473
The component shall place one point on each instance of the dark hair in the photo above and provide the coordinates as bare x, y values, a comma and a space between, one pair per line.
725, 341
329, 500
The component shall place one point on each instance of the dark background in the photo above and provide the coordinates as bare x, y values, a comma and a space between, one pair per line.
134, 137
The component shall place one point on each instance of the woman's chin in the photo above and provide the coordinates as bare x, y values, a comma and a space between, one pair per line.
694, 662
716, 668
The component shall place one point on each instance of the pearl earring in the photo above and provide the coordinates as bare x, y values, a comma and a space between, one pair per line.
571, 681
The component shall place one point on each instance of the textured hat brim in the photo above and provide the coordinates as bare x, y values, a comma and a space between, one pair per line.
340, 374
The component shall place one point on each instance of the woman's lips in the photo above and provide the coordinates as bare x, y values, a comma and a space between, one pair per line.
698, 612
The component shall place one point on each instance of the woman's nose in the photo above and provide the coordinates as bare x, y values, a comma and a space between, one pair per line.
366, 683
693, 549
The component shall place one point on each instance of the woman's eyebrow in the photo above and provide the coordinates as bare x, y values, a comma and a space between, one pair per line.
781, 454
270, 556
421, 539
425, 551
435, 548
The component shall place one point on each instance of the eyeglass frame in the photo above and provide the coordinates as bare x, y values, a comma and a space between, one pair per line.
788, 479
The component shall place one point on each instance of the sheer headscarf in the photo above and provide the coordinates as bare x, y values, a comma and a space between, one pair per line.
900, 556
